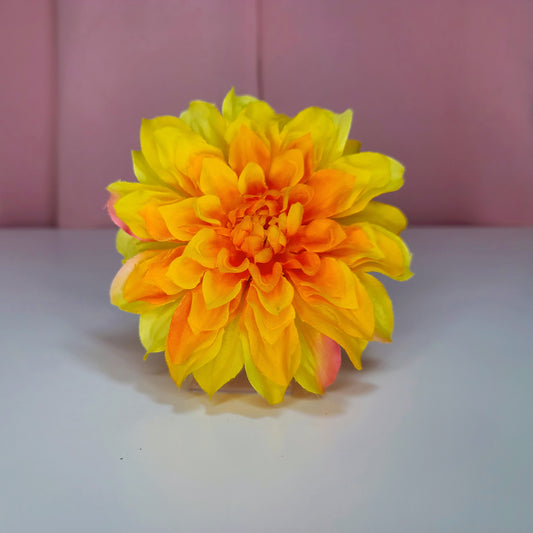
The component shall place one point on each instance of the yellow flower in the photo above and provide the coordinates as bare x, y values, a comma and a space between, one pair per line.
248, 242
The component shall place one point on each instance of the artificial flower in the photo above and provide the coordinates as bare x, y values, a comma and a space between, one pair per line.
249, 240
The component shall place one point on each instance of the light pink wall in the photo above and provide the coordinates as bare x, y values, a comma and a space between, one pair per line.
27, 112
444, 86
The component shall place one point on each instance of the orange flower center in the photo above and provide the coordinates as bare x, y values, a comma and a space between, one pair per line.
257, 226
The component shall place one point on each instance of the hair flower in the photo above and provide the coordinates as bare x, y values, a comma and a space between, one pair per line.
249, 240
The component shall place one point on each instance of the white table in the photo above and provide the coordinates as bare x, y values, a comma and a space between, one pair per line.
434, 435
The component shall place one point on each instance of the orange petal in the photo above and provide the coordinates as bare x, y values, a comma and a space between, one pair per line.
333, 193
220, 288
277, 361
219, 179
334, 282
247, 147
203, 318
287, 169
182, 343
185, 272
252, 179
266, 275
319, 235
278, 298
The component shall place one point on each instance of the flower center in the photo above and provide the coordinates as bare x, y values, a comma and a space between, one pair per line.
258, 228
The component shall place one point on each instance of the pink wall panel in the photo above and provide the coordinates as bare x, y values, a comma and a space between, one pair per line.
120, 61
444, 86
26, 112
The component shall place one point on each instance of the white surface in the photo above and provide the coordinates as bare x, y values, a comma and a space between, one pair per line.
434, 435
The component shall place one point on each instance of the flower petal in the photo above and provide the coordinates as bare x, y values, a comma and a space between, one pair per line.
287, 169
383, 313
277, 360
202, 318
248, 147
378, 251
252, 179
278, 298
375, 174
387, 216
154, 326
205, 120
219, 288
321, 359
129, 202
227, 363
220, 180
233, 104
186, 348
328, 130
319, 235
175, 152
344, 326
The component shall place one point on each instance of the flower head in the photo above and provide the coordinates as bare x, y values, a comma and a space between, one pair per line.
248, 242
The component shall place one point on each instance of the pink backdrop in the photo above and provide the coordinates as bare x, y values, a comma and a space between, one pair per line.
444, 86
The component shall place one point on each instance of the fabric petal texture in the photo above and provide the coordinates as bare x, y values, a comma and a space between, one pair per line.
249, 244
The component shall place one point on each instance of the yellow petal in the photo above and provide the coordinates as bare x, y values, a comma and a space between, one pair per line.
205, 120
218, 179
329, 132
389, 255
185, 272
143, 171
352, 147
270, 391
383, 314
387, 216
175, 152
375, 174
252, 179
227, 363
220, 288
277, 361
154, 326
129, 246
278, 298
351, 328
233, 104
133, 198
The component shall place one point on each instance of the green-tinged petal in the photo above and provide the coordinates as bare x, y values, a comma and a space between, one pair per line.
154, 326
143, 171
205, 120
329, 132
227, 363
270, 391
129, 246
387, 216
321, 359
352, 147
383, 314
233, 104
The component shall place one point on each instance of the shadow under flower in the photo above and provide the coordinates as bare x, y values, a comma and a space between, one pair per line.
118, 353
